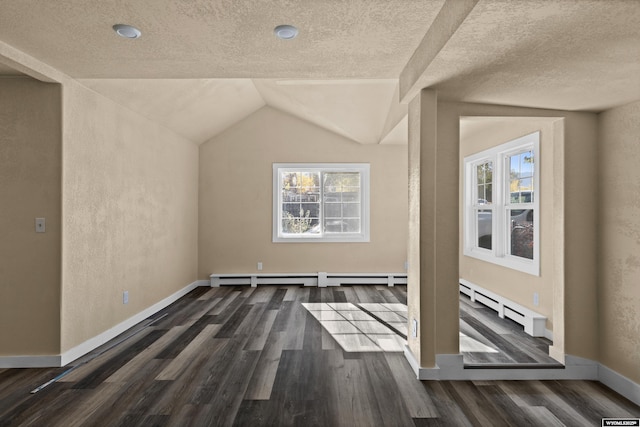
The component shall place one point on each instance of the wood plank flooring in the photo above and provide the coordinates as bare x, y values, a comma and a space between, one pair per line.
492, 340
256, 356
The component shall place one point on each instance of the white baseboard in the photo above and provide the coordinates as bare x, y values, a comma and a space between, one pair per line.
412, 361
319, 279
450, 367
619, 383
202, 283
30, 361
69, 356
95, 342
533, 322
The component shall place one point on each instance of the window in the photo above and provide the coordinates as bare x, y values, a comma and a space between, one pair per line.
320, 202
501, 204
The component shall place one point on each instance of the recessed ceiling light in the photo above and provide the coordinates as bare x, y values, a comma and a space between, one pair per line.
127, 31
285, 32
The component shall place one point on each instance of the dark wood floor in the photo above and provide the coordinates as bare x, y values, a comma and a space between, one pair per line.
256, 356
498, 341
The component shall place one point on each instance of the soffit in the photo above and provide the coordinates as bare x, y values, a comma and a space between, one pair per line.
214, 39
567, 55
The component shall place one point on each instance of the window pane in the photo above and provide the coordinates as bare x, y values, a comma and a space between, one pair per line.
332, 225
480, 174
351, 226
351, 210
514, 166
341, 202
335, 181
526, 164
291, 208
350, 194
332, 210
484, 223
522, 233
521, 177
481, 198
313, 201
311, 210
484, 173
304, 225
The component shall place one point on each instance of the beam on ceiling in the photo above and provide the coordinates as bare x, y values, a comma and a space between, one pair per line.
29, 65
451, 16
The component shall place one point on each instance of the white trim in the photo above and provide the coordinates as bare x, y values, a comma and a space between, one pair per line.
450, 367
498, 156
619, 383
29, 361
199, 283
412, 361
95, 342
534, 323
320, 279
92, 343
365, 178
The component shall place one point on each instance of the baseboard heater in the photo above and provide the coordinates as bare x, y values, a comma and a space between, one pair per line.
534, 323
320, 279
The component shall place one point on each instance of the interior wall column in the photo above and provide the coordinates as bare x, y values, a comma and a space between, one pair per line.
433, 230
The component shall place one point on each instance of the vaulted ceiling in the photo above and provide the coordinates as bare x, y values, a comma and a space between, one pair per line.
203, 65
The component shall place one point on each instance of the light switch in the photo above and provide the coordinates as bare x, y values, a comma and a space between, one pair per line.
40, 225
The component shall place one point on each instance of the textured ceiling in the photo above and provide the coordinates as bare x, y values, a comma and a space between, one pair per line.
560, 54
222, 38
199, 109
341, 71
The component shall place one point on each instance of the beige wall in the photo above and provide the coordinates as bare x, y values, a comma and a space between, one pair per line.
130, 219
481, 134
433, 237
578, 337
575, 309
236, 199
619, 240
30, 173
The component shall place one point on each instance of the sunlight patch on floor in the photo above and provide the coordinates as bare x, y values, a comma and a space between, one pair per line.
468, 344
355, 330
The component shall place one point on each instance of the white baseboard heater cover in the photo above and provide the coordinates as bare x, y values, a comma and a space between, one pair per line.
320, 279
534, 323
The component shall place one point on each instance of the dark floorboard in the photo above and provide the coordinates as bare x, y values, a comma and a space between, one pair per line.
513, 345
256, 357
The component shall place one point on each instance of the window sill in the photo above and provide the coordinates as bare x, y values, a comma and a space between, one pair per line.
515, 263
341, 239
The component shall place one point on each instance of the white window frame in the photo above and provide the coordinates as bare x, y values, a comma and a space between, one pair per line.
362, 168
498, 254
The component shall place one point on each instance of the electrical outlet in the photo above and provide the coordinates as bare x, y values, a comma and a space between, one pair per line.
40, 225
414, 328
125, 297
259, 266
536, 299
